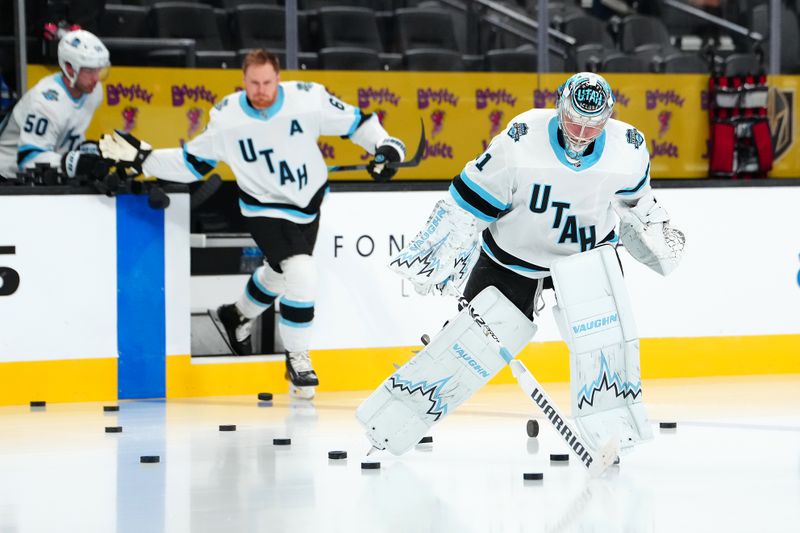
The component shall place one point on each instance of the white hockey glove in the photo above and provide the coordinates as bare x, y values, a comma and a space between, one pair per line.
124, 148
443, 252
390, 150
646, 234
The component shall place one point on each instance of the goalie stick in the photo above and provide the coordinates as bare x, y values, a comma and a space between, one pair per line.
413, 162
596, 462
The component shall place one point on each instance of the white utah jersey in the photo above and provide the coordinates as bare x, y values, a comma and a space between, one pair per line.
538, 205
45, 124
273, 152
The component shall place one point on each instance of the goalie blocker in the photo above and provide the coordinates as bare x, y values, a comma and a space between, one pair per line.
458, 361
595, 318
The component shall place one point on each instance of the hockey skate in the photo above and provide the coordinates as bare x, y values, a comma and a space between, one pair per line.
236, 326
301, 375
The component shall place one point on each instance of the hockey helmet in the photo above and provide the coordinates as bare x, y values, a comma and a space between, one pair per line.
584, 105
82, 49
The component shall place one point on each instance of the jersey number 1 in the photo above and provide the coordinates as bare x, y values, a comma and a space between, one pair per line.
482, 163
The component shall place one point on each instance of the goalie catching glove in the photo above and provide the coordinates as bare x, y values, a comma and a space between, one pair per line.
645, 232
124, 148
444, 251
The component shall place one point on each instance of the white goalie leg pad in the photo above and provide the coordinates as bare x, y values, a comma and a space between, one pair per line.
458, 361
595, 318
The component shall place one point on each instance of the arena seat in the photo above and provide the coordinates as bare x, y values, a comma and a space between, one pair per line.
254, 26
511, 61
124, 21
587, 57
305, 60
684, 63
586, 29
425, 28
432, 59
349, 58
620, 62
637, 30
192, 21
741, 64
349, 27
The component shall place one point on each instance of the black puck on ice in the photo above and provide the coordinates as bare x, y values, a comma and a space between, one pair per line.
38, 403
228, 427
265, 396
532, 476
616, 461
370, 465
426, 339
426, 440
337, 454
281, 442
532, 428
113, 429
150, 459
559, 457
110, 408
668, 425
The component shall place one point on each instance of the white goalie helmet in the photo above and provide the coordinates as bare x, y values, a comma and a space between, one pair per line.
81, 49
585, 103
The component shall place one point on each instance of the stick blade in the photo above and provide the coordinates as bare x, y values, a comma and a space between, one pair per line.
604, 457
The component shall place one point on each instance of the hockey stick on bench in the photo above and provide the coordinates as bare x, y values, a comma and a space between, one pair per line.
595, 461
413, 162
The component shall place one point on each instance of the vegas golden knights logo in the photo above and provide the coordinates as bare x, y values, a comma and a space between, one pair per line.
781, 120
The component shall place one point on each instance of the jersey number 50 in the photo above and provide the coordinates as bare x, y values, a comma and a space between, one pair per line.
39, 126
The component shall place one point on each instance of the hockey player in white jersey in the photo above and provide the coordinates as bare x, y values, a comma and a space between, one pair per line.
48, 124
537, 204
268, 135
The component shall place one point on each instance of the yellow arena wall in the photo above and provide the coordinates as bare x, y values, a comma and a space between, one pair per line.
461, 112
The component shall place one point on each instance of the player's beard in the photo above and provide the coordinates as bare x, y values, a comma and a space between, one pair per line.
262, 101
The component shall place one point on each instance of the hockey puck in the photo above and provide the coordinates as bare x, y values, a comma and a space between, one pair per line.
265, 396
533, 476
337, 454
616, 461
559, 457
426, 339
228, 427
38, 403
110, 408
150, 459
532, 428
113, 429
668, 425
281, 442
426, 440
370, 465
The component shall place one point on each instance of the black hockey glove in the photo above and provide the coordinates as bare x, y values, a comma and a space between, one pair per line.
385, 153
86, 160
125, 149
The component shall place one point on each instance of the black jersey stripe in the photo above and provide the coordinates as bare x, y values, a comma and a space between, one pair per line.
474, 199
311, 209
506, 258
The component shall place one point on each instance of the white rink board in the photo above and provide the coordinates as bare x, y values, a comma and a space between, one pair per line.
177, 273
66, 303
739, 275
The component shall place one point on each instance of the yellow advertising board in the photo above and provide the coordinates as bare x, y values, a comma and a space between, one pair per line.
461, 112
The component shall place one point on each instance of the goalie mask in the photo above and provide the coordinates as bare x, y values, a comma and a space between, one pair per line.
584, 105
81, 49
